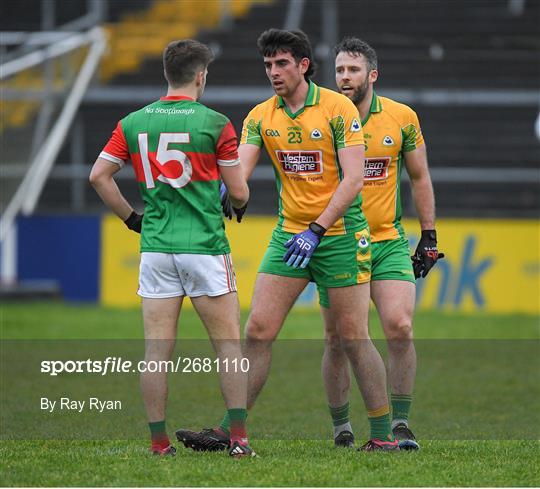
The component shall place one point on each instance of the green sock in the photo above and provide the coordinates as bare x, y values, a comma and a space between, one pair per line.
237, 417
401, 405
225, 424
230, 415
379, 423
158, 432
340, 415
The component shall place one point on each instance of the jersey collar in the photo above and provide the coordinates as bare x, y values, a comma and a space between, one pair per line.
176, 97
376, 106
312, 98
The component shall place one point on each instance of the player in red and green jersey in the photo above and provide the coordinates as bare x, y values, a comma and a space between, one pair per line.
180, 150
314, 138
394, 140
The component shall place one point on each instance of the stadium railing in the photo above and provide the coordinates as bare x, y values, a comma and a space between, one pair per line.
28, 191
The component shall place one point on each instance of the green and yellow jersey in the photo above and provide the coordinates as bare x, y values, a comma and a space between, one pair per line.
390, 129
304, 148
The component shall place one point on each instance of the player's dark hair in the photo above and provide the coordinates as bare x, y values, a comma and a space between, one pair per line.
296, 43
183, 59
355, 46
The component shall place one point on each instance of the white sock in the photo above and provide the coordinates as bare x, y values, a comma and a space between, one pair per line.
342, 427
395, 422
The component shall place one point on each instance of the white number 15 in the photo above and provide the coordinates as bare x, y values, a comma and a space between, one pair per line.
167, 161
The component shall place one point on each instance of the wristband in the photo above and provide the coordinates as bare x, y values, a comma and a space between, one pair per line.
429, 233
317, 229
134, 222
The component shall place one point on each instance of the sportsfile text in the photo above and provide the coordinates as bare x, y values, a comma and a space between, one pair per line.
103, 367
116, 365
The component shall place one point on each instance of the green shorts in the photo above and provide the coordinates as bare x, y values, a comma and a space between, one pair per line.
338, 261
390, 260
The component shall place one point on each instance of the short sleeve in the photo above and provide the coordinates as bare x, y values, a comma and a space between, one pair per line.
227, 147
116, 150
346, 124
251, 129
412, 134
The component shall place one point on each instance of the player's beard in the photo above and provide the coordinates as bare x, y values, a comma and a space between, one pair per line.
360, 93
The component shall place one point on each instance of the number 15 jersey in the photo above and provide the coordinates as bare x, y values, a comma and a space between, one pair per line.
176, 146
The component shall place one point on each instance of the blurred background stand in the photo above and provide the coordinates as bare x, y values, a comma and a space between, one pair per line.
71, 70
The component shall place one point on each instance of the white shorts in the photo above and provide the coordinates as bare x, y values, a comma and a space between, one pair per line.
164, 275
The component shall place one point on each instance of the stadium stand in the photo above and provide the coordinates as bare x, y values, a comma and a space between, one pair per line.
477, 46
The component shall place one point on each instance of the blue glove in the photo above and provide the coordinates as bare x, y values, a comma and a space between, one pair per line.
301, 248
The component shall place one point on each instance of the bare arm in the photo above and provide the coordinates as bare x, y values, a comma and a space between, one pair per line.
101, 178
352, 164
249, 156
236, 184
422, 189
235, 178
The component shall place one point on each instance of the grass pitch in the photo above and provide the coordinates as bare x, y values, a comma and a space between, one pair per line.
295, 461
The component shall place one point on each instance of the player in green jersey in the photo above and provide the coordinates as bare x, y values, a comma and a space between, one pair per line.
394, 140
180, 150
319, 167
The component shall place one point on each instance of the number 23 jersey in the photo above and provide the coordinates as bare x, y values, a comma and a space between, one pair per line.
176, 146
304, 148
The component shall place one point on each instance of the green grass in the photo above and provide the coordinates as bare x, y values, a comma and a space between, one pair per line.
281, 463
482, 389
42, 320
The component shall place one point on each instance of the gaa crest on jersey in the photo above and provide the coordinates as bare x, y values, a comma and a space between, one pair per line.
388, 141
355, 126
316, 134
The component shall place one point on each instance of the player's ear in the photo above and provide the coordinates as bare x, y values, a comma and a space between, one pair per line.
304, 65
373, 75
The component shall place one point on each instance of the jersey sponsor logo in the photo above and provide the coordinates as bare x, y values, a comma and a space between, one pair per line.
388, 141
300, 162
271, 132
355, 126
377, 168
316, 134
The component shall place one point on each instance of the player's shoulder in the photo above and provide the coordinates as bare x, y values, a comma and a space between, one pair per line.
214, 115
332, 98
335, 104
265, 107
396, 109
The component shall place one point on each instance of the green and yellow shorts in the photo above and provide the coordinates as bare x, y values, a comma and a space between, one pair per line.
390, 260
338, 261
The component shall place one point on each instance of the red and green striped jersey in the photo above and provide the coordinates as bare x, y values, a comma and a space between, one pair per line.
176, 146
